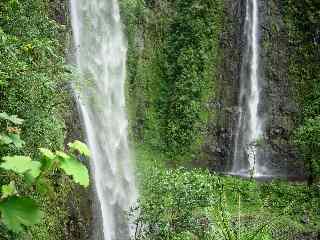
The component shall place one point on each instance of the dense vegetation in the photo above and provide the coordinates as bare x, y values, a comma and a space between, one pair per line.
173, 54
196, 204
32, 86
303, 18
172, 72
18, 211
173, 48
32, 72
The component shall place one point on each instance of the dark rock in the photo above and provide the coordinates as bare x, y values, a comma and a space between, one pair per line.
278, 107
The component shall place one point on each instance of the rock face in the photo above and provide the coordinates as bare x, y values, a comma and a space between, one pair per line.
219, 142
79, 205
278, 97
278, 106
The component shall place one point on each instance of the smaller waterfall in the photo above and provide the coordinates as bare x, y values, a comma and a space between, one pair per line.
101, 61
249, 132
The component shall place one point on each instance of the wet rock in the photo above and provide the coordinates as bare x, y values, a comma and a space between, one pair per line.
278, 107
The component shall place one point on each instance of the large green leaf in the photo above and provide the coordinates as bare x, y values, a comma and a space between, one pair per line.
13, 118
17, 212
21, 165
80, 147
74, 168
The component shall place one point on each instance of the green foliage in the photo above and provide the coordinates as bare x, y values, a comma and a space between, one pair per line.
172, 57
182, 204
21, 165
196, 204
172, 203
80, 147
17, 212
13, 118
11, 139
74, 168
8, 190
191, 54
33, 85
308, 138
32, 73
302, 20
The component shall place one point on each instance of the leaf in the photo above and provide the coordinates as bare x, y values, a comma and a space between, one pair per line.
8, 190
47, 153
21, 165
48, 158
16, 140
29, 179
12, 138
62, 155
74, 168
80, 147
13, 118
35, 169
17, 212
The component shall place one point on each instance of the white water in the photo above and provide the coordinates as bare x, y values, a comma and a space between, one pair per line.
101, 60
249, 130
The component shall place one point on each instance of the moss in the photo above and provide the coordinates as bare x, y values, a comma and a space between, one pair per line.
33, 81
172, 57
302, 20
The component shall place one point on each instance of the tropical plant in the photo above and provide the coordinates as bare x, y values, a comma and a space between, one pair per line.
180, 204
18, 209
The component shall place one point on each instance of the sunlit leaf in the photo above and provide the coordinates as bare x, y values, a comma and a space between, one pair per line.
80, 147
35, 169
47, 153
18, 212
62, 155
74, 168
13, 118
8, 190
48, 158
21, 165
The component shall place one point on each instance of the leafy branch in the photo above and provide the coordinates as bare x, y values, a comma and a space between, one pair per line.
19, 211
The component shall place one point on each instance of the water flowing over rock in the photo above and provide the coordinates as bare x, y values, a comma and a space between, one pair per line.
249, 130
277, 106
101, 61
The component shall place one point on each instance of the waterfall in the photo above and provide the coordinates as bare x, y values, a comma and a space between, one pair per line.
249, 131
101, 62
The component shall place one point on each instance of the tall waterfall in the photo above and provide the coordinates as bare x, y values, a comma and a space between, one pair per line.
101, 61
249, 130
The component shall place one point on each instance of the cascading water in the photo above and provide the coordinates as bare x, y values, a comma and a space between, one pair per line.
101, 61
246, 160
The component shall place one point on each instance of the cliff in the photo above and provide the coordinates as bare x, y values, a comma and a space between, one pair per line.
198, 128
279, 106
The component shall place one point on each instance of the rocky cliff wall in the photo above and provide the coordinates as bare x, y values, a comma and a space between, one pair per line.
79, 222
279, 108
